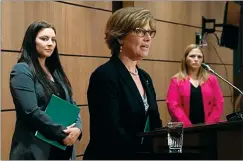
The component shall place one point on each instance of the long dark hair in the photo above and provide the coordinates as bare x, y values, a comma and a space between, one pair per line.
30, 56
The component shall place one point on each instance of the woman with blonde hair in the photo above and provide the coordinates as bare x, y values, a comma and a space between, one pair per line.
194, 95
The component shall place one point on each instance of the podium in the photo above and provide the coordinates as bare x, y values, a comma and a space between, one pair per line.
222, 141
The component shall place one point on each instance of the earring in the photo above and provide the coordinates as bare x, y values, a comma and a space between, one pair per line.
120, 48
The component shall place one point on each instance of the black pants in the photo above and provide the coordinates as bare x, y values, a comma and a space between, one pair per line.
58, 154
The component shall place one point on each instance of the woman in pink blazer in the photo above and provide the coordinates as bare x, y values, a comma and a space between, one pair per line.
194, 95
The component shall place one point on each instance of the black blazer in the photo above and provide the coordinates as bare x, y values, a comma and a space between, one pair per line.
117, 111
28, 97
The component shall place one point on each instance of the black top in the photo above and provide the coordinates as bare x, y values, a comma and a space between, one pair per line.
58, 90
196, 105
56, 153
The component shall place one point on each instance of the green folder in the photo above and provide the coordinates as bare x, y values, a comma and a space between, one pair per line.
61, 112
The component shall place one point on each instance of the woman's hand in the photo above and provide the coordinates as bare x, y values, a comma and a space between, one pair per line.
73, 134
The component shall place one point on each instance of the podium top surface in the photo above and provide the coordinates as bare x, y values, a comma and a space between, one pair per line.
222, 126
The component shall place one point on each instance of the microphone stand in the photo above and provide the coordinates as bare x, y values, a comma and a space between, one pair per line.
226, 81
235, 116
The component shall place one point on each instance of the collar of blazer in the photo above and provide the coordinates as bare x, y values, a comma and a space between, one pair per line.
68, 99
125, 75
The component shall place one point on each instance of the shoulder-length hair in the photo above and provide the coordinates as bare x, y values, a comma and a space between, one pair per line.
183, 73
124, 21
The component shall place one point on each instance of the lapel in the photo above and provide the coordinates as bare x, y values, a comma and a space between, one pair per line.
127, 78
146, 84
204, 90
185, 88
63, 86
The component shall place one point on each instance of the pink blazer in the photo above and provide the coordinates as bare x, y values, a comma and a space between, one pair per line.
178, 100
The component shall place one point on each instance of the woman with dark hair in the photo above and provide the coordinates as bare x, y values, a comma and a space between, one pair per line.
194, 95
37, 75
121, 95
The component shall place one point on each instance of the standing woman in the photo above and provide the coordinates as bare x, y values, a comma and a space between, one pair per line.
194, 95
120, 94
37, 75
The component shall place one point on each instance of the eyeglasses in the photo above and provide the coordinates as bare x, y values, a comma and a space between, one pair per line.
142, 32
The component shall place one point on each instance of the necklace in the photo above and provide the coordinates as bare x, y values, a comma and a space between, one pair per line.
195, 82
134, 73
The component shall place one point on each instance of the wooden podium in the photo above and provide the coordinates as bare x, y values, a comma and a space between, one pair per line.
222, 141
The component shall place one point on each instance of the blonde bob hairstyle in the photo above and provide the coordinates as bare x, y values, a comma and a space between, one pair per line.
124, 21
183, 73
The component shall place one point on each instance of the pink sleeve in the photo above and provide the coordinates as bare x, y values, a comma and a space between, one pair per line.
218, 101
174, 104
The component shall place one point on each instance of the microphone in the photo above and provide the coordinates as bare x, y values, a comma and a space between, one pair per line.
208, 68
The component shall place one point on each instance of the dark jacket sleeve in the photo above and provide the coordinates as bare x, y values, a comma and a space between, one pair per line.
24, 96
78, 121
104, 107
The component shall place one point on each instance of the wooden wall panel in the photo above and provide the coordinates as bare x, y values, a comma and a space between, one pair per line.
13, 28
78, 70
160, 75
8, 61
164, 115
233, 13
189, 13
7, 129
80, 32
225, 54
93, 4
220, 69
171, 40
